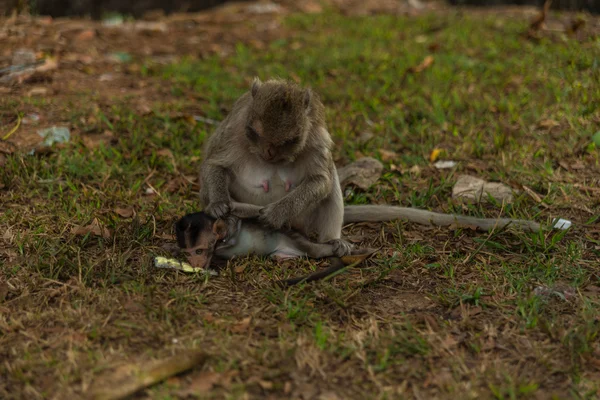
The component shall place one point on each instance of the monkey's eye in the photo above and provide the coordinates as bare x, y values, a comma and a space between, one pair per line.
251, 133
291, 142
199, 252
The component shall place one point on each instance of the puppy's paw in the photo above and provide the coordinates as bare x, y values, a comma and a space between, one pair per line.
341, 247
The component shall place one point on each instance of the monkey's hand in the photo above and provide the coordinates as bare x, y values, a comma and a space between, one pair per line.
218, 209
232, 226
273, 215
341, 248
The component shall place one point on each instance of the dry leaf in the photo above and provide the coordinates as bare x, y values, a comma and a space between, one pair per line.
203, 383
242, 326
93, 141
266, 385
387, 155
435, 154
548, 123
85, 35
426, 63
125, 212
240, 268
357, 257
165, 152
362, 173
94, 228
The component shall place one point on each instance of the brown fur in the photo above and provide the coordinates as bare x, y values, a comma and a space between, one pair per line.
291, 143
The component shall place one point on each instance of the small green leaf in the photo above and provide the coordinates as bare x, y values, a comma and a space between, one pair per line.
596, 138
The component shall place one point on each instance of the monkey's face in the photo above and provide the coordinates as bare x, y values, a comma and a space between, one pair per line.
277, 124
197, 234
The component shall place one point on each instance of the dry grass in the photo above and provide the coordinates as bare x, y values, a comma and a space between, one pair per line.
437, 314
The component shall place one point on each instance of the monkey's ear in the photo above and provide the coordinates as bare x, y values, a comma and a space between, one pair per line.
220, 229
307, 98
255, 86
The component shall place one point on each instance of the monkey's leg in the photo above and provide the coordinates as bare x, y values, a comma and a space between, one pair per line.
214, 192
327, 220
312, 249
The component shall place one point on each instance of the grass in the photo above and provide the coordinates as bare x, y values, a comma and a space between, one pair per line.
437, 314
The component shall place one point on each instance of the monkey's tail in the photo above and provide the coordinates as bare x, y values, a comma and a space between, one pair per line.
382, 213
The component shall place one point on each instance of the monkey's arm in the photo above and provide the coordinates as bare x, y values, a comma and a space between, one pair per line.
381, 213
245, 210
214, 192
309, 193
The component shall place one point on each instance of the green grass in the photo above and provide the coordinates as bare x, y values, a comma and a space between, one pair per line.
438, 312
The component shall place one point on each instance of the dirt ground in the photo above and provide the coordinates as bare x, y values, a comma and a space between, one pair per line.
439, 313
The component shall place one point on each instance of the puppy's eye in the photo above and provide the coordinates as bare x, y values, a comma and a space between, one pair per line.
199, 252
251, 133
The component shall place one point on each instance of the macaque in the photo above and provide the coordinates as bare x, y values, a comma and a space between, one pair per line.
273, 150
201, 236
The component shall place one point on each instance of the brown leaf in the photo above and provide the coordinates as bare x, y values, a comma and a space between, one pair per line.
426, 63
7, 147
166, 236
165, 153
203, 383
362, 173
242, 326
387, 155
548, 123
94, 228
266, 385
125, 212
85, 35
357, 257
93, 141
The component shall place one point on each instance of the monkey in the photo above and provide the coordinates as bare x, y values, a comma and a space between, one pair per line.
202, 237
273, 150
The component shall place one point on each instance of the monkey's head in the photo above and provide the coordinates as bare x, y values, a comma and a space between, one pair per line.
197, 235
278, 120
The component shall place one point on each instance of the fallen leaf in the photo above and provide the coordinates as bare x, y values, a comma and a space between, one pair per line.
85, 35
435, 154
387, 155
37, 91
426, 63
241, 326
94, 228
548, 123
357, 257
94, 140
540, 20
415, 170
362, 173
471, 189
266, 385
165, 152
203, 382
125, 212
445, 164
240, 268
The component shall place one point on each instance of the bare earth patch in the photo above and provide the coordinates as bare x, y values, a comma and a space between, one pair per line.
437, 313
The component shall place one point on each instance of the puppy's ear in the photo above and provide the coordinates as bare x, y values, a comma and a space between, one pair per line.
220, 229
